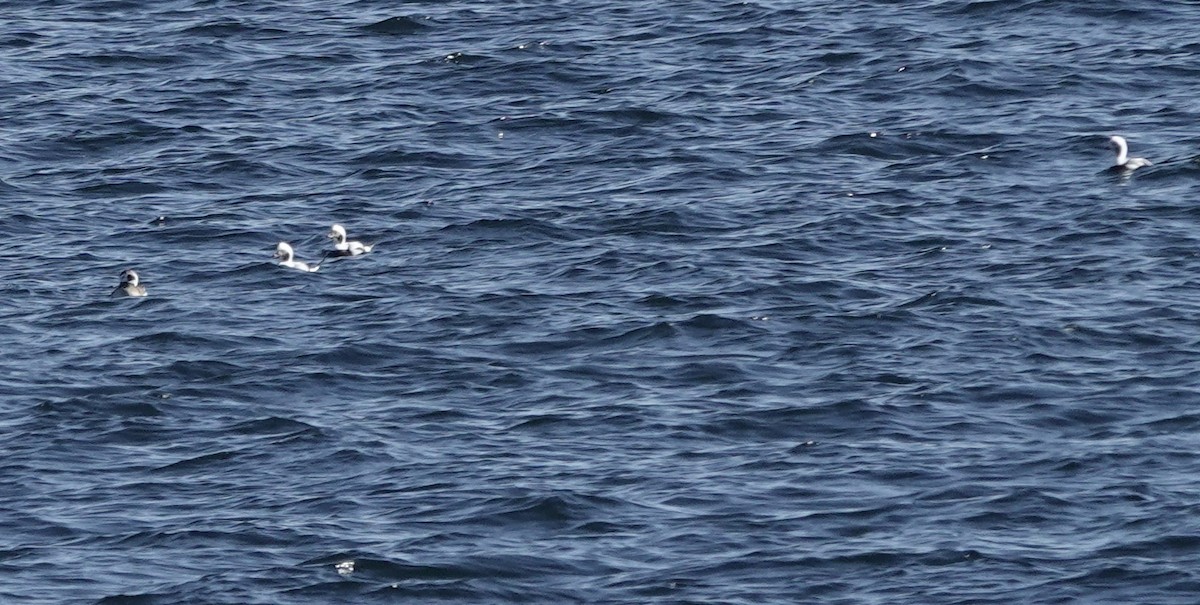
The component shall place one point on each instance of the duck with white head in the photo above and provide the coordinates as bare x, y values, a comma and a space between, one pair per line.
287, 258
341, 247
130, 285
1123, 161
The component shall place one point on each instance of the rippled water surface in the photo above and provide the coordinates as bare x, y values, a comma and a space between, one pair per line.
691, 302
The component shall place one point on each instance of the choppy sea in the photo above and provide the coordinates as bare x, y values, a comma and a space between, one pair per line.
670, 302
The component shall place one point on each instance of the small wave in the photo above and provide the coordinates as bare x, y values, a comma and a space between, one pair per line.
272, 426
508, 227
551, 509
204, 370
705, 322
21, 40
93, 406
213, 461
230, 28
121, 188
993, 8
127, 59
392, 156
395, 26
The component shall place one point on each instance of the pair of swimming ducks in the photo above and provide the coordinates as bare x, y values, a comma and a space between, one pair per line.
341, 247
131, 284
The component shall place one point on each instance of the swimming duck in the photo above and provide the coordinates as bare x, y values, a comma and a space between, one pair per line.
341, 247
1124, 162
129, 285
283, 251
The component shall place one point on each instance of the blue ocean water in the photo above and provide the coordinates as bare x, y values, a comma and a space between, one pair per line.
691, 302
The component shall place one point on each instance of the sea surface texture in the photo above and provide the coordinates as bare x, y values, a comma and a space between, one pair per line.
670, 302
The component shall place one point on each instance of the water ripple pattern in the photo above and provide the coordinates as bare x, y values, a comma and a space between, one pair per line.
693, 302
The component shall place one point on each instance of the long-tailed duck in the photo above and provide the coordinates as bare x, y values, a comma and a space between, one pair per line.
1124, 162
130, 285
286, 257
341, 247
